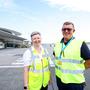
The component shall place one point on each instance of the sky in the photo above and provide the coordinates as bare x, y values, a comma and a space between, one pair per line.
46, 16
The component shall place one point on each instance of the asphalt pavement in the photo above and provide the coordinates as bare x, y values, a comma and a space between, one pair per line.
11, 71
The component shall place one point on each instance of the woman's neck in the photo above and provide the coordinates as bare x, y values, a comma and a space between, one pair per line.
38, 48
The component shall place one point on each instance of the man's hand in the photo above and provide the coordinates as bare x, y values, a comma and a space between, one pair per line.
87, 64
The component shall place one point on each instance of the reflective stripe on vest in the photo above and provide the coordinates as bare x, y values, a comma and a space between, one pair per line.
71, 68
36, 56
39, 71
71, 61
70, 71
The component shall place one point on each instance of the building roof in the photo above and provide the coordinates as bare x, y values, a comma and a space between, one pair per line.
6, 33
10, 31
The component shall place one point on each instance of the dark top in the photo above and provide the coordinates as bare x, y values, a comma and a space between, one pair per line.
85, 52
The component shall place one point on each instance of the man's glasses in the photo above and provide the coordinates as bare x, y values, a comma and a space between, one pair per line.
68, 29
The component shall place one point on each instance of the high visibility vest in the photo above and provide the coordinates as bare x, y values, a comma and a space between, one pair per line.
39, 73
70, 67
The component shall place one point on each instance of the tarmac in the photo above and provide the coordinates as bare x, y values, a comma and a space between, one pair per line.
11, 70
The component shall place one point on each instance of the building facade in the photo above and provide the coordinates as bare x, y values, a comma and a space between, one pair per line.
10, 38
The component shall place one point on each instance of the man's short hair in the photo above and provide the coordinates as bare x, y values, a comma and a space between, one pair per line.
68, 23
35, 33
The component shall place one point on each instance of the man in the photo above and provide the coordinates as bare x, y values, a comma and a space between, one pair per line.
72, 56
36, 65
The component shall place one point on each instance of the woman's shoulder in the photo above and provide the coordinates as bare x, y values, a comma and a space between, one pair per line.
28, 51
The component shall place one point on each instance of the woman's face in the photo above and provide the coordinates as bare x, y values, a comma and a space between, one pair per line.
36, 40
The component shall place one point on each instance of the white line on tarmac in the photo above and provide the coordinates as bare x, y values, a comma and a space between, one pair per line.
11, 66
17, 63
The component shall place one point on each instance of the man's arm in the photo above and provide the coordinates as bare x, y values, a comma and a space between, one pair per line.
85, 54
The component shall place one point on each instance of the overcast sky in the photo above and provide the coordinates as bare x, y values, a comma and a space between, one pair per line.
46, 16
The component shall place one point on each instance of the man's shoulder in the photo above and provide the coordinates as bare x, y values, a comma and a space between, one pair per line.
78, 41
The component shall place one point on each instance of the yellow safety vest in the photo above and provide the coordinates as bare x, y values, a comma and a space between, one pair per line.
70, 67
39, 73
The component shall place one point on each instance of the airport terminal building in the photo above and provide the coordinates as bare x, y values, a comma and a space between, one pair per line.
10, 38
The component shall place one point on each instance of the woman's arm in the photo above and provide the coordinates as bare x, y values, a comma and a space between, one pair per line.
26, 77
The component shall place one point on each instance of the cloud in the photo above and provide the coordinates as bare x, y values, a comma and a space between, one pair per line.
11, 7
6, 3
75, 5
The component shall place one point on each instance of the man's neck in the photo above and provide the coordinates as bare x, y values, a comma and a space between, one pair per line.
65, 40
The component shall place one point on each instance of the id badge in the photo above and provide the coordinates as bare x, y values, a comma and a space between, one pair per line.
59, 63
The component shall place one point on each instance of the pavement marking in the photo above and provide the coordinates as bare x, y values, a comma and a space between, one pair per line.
11, 66
19, 61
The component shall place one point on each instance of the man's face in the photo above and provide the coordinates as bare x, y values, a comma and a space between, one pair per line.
67, 31
36, 40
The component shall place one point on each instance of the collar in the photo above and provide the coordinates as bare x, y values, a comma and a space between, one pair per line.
35, 49
62, 40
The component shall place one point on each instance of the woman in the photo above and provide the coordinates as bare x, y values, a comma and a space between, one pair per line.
36, 65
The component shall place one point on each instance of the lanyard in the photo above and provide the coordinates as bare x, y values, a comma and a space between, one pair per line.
63, 47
